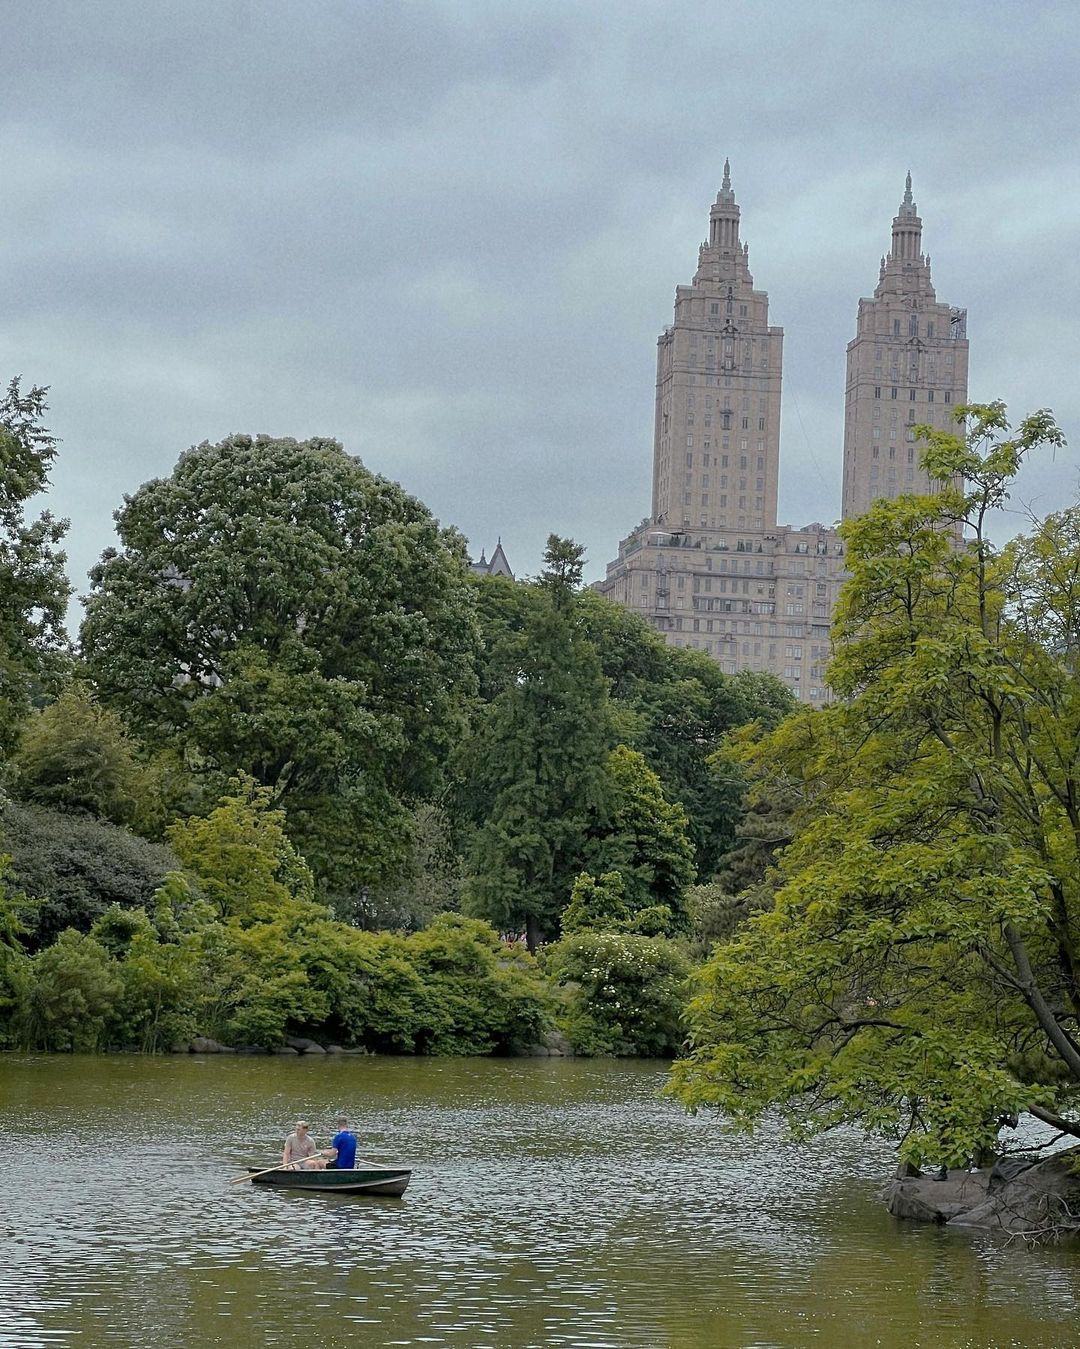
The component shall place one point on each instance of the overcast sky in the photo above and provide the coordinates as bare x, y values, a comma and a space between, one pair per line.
448, 234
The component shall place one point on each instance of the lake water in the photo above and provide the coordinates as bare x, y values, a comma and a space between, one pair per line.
554, 1202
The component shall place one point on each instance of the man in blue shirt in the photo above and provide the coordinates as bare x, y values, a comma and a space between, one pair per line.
344, 1145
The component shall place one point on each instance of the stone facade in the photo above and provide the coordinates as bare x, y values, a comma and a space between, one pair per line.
906, 366
710, 568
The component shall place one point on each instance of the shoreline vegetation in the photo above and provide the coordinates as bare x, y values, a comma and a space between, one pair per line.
305, 779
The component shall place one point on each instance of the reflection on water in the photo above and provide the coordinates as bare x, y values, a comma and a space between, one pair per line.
553, 1203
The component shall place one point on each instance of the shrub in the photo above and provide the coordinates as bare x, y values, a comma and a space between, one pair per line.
624, 993
72, 994
73, 867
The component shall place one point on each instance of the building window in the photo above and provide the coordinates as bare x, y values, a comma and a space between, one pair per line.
929, 395
896, 327
948, 396
893, 391
911, 395
913, 326
877, 390
930, 330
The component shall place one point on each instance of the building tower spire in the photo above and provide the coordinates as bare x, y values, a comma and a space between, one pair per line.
724, 217
906, 367
907, 229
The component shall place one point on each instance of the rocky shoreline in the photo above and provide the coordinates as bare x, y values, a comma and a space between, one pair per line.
553, 1045
1032, 1199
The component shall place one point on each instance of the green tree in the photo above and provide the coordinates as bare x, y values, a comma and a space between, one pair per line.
645, 840
717, 913
72, 867
72, 995
598, 904
918, 975
76, 754
482, 997
535, 764
676, 706
245, 864
13, 959
34, 590
430, 884
278, 610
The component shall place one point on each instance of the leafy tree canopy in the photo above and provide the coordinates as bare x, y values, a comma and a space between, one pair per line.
918, 975
674, 705
645, 839
76, 754
242, 857
278, 610
34, 589
72, 867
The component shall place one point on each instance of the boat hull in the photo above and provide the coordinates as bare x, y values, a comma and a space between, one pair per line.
380, 1180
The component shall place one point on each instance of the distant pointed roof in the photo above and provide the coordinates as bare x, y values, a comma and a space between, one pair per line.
499, 566
496, 565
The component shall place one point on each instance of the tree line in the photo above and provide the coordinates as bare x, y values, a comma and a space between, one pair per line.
284, 643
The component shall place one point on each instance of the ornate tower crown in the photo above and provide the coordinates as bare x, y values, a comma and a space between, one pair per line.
906, 230
907, 206
724, 217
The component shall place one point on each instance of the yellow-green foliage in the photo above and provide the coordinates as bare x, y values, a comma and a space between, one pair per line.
919, 974
241, 951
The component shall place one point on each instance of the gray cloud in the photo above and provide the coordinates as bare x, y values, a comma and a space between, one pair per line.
449, 233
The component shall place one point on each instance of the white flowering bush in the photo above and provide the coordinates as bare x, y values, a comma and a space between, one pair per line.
624, 993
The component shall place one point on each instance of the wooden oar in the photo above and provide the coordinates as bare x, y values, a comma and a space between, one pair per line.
250, 1175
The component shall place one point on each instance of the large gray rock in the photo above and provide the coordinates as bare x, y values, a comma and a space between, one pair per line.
202, 1044
303, 1046
926, 1199
286, 1049
1039, 1200
1042, 1201
558, 1044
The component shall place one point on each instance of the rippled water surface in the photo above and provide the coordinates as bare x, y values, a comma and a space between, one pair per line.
553, 1203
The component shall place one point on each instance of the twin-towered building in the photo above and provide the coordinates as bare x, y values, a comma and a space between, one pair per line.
711, 568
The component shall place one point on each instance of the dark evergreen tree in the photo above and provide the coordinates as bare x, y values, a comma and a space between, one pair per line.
536, 762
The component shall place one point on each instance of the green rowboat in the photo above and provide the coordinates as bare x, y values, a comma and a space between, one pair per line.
363, 1179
